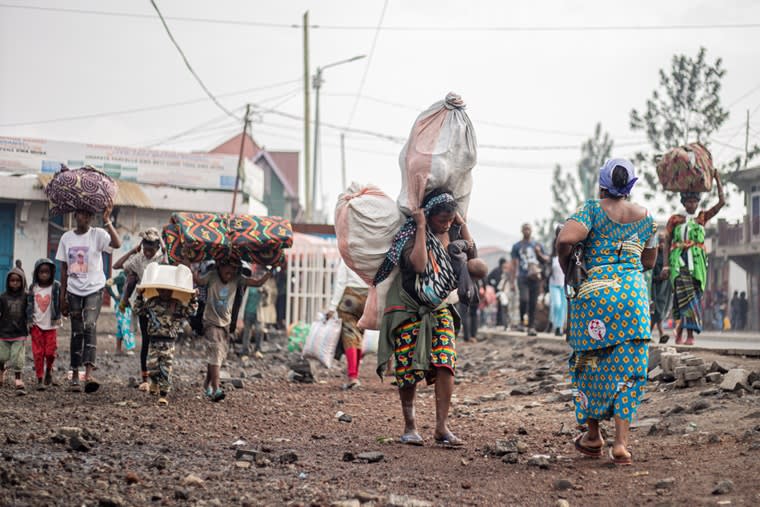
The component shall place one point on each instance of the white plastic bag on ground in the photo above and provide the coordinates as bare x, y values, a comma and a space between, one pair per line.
440, 153
366, 220
323, 340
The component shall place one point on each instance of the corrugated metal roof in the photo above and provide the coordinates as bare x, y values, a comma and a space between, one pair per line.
128, 193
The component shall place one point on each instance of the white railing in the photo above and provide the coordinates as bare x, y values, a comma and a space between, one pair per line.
311, 273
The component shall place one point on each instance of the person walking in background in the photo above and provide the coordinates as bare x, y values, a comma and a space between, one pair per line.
687, 268
221, 283
13, 330
251, 323
527, 257
165, 314
125, 334
661, 292
134, 263
497, 279
348, 300
734, 306
43, 314
83, 289
469, 314
609, 315
743, 311
558, 300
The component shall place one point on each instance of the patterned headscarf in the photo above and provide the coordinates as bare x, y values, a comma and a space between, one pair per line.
405, 234
605, 177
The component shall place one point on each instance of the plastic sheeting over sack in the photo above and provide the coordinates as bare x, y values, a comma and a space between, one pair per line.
440, 153
686, 169
366, 220
85, 189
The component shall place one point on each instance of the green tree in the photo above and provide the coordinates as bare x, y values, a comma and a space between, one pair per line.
571, 189
684, 108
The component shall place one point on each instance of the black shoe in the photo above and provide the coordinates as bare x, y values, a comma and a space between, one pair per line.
557, 332
531, 332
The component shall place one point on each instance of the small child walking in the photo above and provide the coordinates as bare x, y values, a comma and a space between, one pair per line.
43, 314
125, 334
222, 284
13, 330
165, 313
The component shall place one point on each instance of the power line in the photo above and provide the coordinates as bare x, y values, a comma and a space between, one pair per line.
555, 147
410, 28
146, 109
190, 67
506, 126
197, 128
369, 63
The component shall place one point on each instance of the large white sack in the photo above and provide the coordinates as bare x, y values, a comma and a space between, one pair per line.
375, 305
440, 153
366, 220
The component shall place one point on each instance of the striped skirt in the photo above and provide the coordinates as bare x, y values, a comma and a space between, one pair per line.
687, 306
442, 355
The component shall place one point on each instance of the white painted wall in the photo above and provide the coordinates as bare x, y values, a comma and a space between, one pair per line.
737, 278
30, 241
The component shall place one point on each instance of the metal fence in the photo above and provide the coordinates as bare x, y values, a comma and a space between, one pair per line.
311, 275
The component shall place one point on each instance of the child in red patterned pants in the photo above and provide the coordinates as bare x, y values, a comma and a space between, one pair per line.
43, 311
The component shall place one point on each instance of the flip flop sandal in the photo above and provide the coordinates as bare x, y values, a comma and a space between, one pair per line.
218, 396
591, 452
91, 385
411, 439
620, 461
449, 441
664, 338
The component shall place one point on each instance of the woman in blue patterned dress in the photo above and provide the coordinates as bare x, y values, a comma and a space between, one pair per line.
609, 316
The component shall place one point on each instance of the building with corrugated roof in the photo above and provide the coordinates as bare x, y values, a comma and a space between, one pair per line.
151, 185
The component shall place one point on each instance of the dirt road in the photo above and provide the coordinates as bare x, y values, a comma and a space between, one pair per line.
276, 442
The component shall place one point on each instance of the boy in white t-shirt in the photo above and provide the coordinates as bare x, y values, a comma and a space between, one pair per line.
43, 314
82, 281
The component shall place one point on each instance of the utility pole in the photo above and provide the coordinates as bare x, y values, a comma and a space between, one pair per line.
343, 160
306, 120
240, 166
317, 82
746, 142
317, 85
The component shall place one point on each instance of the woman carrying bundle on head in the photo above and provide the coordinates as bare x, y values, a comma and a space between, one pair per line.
687, 261
419, 325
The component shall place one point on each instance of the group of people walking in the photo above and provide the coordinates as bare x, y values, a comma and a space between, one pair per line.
607, 317
608, 324
37, 311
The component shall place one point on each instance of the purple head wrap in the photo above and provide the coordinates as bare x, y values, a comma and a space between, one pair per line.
605, 177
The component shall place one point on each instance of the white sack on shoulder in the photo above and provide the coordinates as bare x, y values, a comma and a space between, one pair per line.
366, 220
440, 153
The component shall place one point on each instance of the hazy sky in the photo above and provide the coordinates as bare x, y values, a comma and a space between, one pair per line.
527, 88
